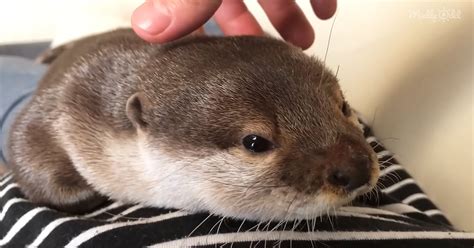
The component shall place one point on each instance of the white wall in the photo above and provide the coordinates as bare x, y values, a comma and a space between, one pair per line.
408, 72
26, 20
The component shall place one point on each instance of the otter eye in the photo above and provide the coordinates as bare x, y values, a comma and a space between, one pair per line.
255, 143
346, 110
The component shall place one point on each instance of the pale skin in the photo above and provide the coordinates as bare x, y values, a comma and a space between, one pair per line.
160, 21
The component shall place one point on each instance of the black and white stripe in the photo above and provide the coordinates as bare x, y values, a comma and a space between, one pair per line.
399, 214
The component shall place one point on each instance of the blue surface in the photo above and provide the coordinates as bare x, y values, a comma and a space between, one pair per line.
18, 79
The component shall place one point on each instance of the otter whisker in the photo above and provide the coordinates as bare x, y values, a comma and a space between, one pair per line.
389, 138
277, 225
212, 228
220, 224
377, 195
296, 223
238, 230
215, 225
245, 186
309, 229
286, 215
329, 218
375, 115
122, 217
199, 225
377, 144
265, 227
392, 176
256, 230
327, 46
313, 223
387, 160
254, 226
337, 71
308, 224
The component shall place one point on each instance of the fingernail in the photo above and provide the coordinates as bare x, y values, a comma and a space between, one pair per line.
152, 20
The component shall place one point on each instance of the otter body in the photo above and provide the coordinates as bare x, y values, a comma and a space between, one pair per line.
248, 127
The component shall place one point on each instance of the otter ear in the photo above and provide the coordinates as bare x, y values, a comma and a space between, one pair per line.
134, 109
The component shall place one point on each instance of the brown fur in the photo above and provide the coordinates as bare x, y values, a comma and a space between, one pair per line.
194, 97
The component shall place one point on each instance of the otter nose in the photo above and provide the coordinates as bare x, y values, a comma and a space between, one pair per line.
351, 174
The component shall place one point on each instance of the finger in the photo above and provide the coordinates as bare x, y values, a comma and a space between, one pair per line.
324, 9
166, 20
234, 18
289, 20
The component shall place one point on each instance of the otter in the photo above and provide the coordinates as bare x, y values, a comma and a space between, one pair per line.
248, 127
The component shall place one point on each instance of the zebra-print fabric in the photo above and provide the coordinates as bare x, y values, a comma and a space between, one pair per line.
398, 214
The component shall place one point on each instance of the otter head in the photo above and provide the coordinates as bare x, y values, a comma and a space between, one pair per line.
248, 127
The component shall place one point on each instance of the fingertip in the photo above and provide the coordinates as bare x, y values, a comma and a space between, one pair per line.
148, 21
324, 9
300, 39
234, 18
290, 21
162, 21
147, 37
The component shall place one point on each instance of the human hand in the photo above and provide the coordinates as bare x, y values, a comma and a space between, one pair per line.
166, 20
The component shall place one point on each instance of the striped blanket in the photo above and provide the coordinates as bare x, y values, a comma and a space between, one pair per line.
398, 214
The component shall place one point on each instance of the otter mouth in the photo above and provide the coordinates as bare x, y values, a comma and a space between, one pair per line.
331, 198
327, 202
294, 204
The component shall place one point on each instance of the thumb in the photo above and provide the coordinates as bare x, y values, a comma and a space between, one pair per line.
167, 20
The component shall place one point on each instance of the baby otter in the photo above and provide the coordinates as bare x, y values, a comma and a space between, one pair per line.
248, 127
